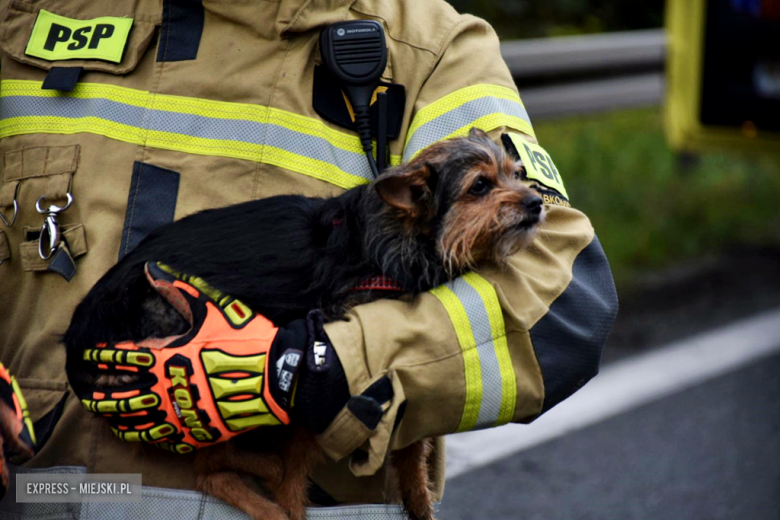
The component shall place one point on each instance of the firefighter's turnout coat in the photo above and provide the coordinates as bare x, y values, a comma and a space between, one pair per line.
179, 106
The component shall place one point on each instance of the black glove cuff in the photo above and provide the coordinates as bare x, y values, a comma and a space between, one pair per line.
285, 361
322, 385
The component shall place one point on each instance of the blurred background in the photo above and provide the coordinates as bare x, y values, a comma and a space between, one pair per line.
664, 121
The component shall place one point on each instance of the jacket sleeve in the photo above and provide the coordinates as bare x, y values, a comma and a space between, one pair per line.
492, 347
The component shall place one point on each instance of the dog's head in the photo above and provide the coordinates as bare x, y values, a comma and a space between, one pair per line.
466, 194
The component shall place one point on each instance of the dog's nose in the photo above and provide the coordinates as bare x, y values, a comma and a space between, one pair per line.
532, 204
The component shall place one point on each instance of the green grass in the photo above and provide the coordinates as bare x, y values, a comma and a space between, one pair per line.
648, 212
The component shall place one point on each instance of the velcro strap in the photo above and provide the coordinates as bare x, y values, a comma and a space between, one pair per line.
63, 79
62, 263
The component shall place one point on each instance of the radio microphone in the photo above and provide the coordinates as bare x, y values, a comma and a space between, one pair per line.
356, 55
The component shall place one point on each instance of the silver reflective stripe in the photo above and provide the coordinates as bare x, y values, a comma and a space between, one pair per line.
189, 125
20, 106
492, 391
458, 118
162, 503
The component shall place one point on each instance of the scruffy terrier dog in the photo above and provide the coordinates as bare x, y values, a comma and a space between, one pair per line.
458, 204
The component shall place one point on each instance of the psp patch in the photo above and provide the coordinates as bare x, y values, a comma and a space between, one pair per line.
56, 38
538, 164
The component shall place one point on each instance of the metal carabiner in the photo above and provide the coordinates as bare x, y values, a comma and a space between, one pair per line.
16, 210
52, 208
13, 218
50, 231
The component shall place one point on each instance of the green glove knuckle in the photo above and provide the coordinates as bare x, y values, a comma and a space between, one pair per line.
234, 310
119, 357
179, 447
132, 404
153, 434
249, 412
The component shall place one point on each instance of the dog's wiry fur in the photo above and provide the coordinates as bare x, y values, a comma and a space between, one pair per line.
456, 205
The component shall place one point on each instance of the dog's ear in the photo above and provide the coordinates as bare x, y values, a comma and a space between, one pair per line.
476, 132
407, 188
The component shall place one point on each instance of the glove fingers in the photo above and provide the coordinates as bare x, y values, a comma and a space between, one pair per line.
152, 433
108, 405
126, 359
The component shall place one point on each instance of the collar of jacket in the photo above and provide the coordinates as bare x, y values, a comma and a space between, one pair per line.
297, 16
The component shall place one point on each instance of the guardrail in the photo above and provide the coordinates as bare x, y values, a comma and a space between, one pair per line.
583, 74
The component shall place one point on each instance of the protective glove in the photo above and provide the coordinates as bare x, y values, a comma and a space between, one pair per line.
17, 436
231, 372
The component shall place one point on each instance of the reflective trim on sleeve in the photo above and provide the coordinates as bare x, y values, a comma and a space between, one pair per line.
253, 132
474, 310
483, 106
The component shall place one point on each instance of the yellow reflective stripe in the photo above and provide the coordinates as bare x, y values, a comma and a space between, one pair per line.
483, 106
457, 98
240, 113
321, 170
67, 126
488, 123
204, 146
128, 96
498, 330
475, 312
472, 371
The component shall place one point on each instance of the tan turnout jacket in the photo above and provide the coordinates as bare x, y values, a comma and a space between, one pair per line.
214, 107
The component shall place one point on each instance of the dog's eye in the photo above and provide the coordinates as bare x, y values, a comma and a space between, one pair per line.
480, 187
519, 173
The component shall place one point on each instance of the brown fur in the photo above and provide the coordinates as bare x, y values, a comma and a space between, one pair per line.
411, 464
485, 229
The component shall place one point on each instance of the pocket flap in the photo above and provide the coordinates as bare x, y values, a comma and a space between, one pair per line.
40, 161
66, 42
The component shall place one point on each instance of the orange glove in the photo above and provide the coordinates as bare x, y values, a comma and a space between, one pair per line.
231, 372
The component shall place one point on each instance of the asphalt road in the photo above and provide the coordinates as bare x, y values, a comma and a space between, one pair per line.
709, 452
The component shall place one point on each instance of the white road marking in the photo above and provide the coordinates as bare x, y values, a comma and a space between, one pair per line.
624, 385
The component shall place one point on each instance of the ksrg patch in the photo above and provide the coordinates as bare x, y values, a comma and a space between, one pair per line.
56, 38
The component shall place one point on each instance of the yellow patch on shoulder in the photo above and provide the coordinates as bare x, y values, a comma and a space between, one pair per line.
538, 164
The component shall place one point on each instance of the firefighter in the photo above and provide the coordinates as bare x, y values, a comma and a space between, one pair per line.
118, 117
